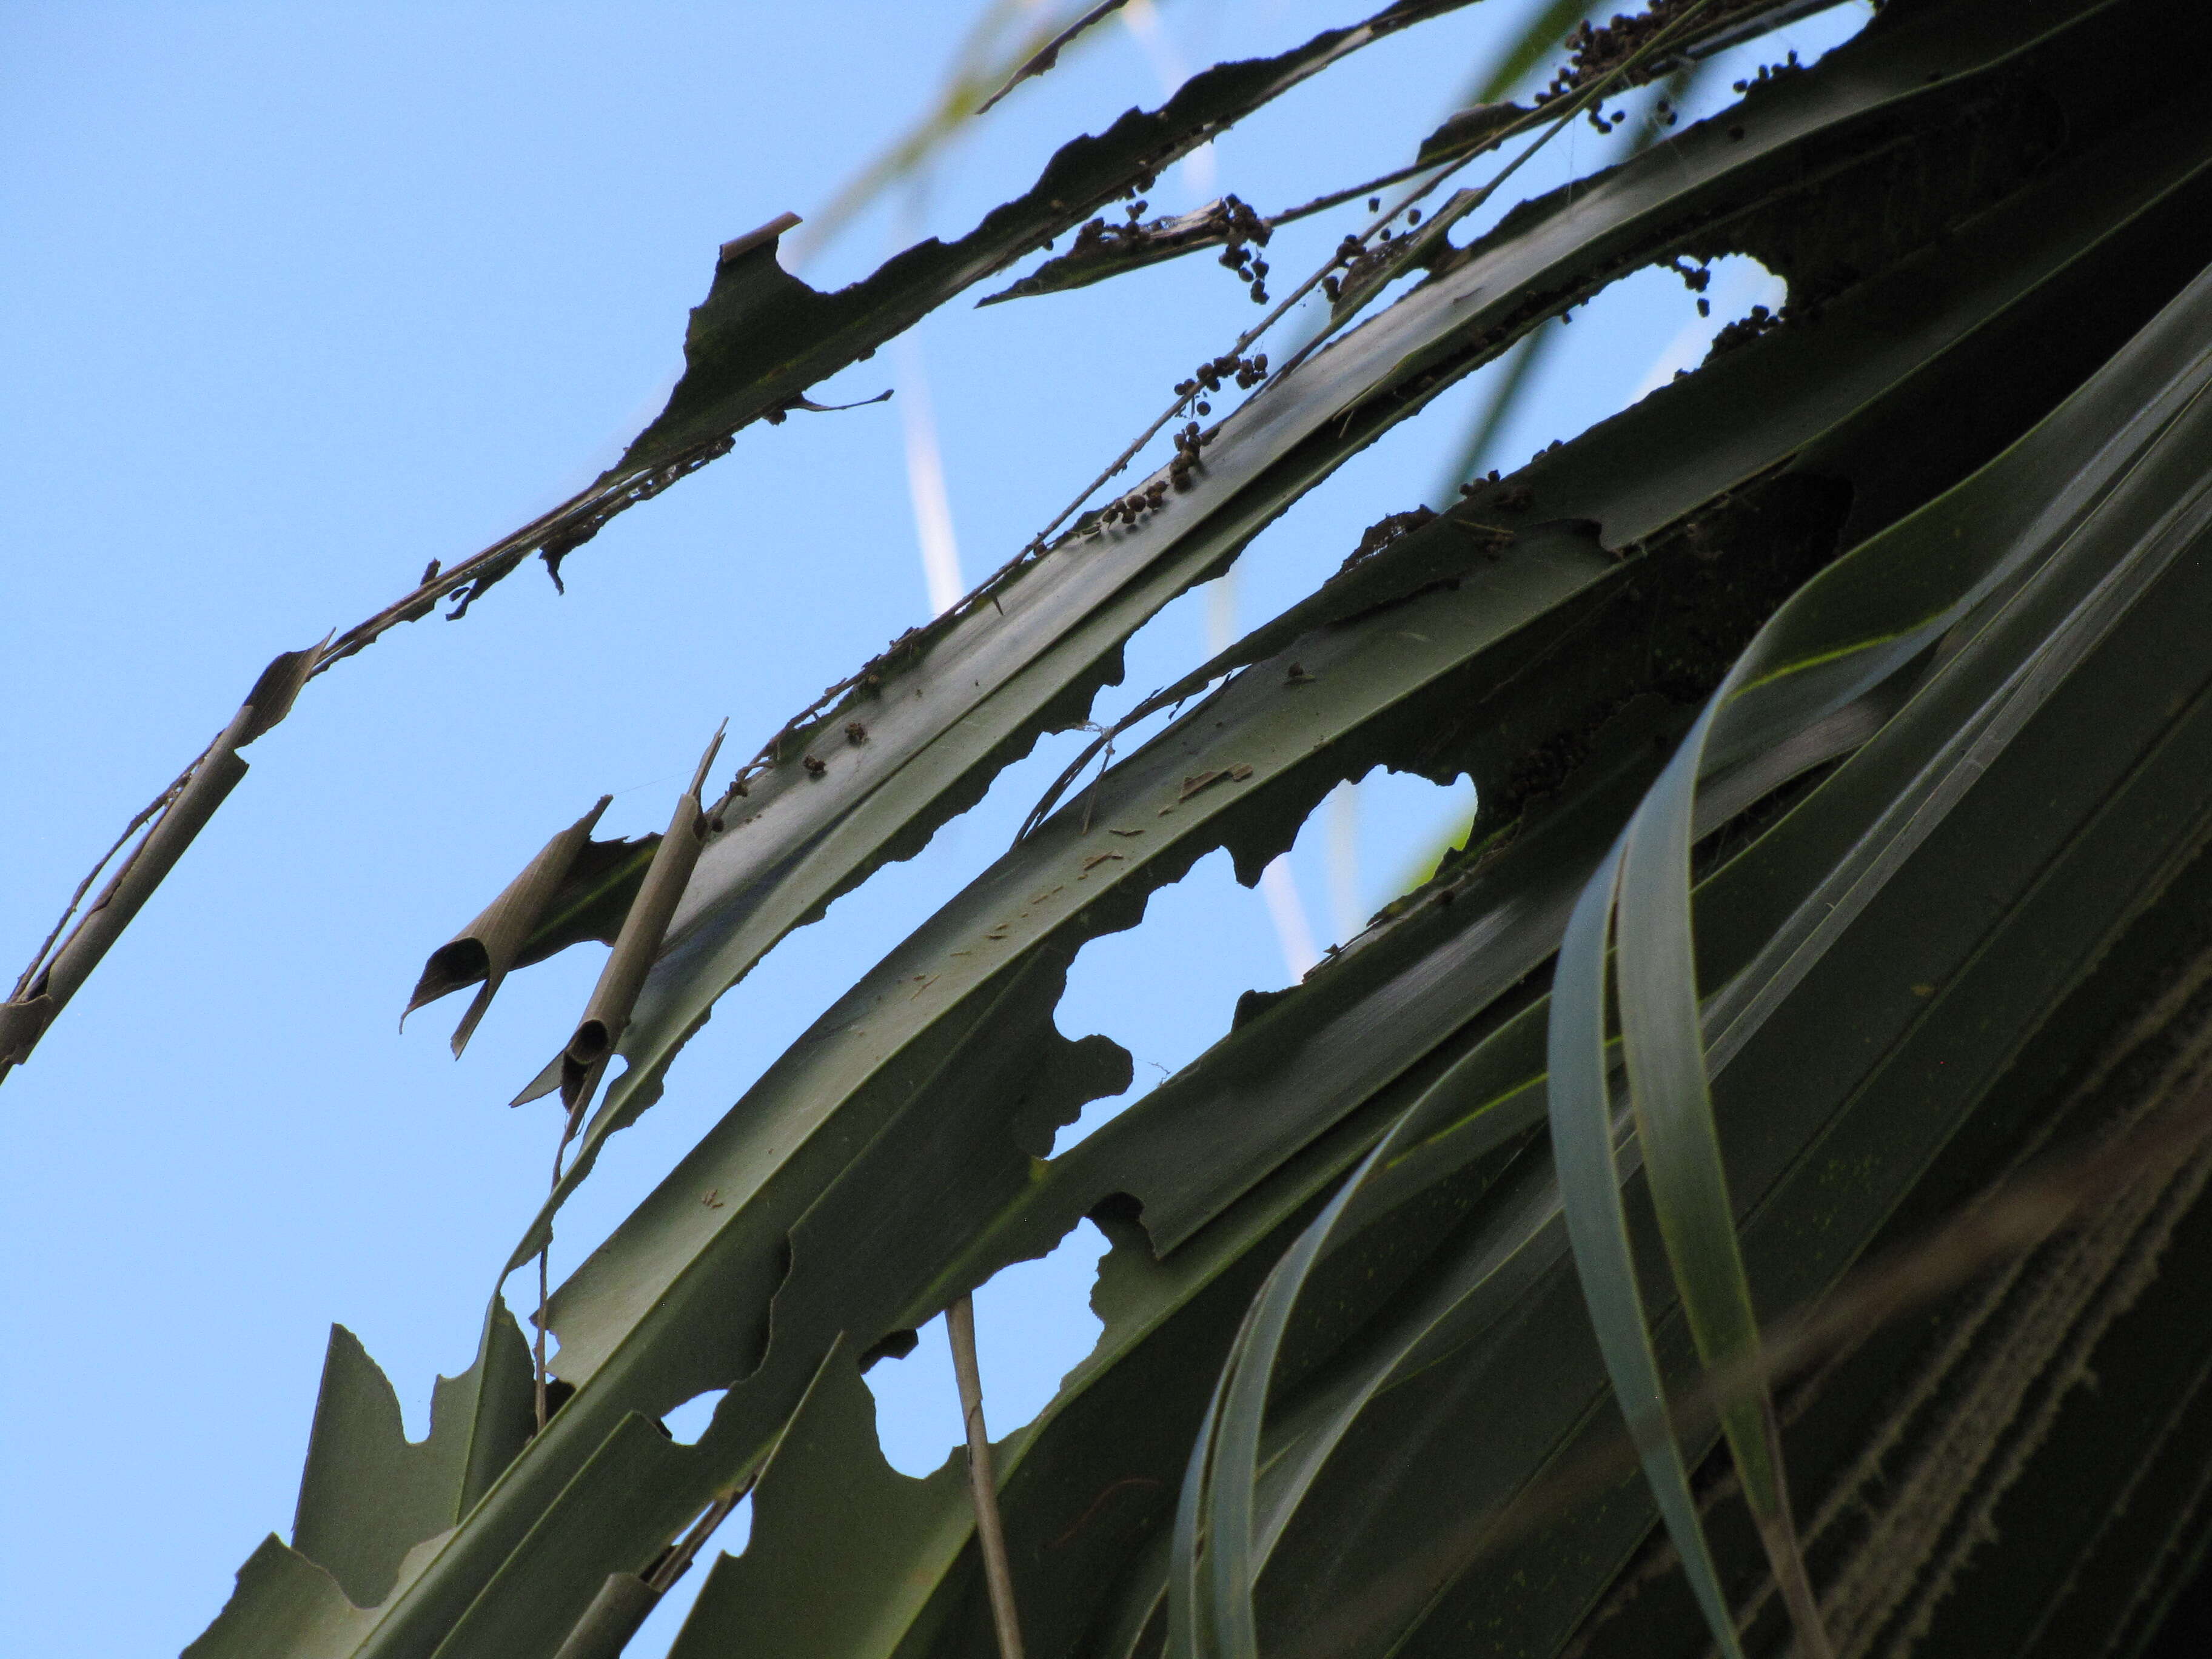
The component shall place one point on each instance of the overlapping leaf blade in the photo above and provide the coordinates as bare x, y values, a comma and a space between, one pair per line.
957, 704
762, 337
985, 1061
2007, 485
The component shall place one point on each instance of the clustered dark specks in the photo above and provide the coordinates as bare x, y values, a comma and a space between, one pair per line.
1696, 278
1513, 498
1597, 47
1133, 507
1188, 441
1595, 51
1098, 236
1138, 504
1359, 259
1247, 372
1769, 73
1745, 330
1230, 220
1246, 227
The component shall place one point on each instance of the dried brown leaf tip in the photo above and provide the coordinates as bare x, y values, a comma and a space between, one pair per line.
738, 246
577, 1069
489, 947
177, 816
1197, 781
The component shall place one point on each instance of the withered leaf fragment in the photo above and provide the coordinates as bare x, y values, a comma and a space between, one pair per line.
491, 945
1123, 248
761, 336
576, 1071
51, 983
1235, 774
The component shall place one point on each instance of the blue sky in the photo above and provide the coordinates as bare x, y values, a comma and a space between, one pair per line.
299, 297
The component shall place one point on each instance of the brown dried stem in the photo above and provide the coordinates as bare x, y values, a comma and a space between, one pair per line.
982, 1483
583, 1063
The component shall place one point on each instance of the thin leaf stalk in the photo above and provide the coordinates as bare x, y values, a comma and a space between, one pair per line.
69, 911
569, 1126
982, 1482
1188, 1607
673, 1564
176, 818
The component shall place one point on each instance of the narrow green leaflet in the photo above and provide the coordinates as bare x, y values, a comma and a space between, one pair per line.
368, 1494
1580, 1098
1799, 667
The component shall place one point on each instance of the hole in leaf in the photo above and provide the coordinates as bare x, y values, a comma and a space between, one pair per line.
690, 1420
1033, 1325
1165, 988
1168, 989
657, 1635
1738, 283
